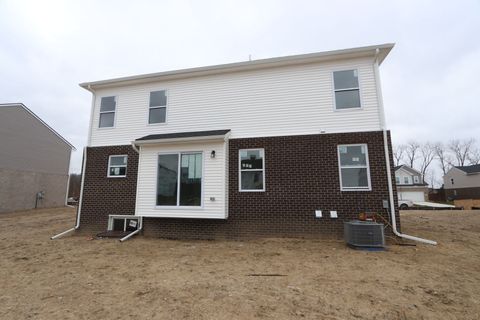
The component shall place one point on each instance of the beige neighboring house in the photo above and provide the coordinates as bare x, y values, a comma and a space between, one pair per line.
410, 184
463, 183
34, 161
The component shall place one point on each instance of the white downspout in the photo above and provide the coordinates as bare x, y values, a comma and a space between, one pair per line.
128, 236
134, 146
77, 223
387, 159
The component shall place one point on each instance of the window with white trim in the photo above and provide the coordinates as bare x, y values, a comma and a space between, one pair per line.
354, 167
252, 169
346, 89
107, 112
416, 179
405, 180
397, 179
157, 112
179, 179
117, 166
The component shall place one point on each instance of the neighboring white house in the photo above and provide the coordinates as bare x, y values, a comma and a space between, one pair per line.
410, 184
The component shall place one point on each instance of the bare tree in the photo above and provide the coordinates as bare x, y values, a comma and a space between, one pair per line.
427, 154
444, 158
461, 150
398, 153
474, 156
411, 151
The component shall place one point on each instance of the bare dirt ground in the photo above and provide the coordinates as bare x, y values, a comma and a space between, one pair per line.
77, 278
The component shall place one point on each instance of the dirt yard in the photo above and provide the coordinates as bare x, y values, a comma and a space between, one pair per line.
78, 278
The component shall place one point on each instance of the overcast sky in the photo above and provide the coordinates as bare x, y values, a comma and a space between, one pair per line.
429, 80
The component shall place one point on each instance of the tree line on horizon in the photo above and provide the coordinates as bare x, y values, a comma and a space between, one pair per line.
423, 157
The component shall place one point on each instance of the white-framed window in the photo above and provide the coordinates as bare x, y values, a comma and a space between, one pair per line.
157, 112
416, 179
179, 179
108, 106
354, 167
117, 166
397, 179
251, 170
346, 89
405, 180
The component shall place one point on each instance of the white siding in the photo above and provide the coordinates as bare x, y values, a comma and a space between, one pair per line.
214, 181
403, 173
288, 100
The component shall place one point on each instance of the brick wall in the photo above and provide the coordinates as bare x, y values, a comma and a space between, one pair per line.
463, 193
301, 176
103, 196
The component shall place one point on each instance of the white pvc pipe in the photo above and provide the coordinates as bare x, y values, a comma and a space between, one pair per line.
387, 160
140, 227
61, 234
130, 235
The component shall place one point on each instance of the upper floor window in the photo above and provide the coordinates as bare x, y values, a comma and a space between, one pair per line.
397, 179
157, 112
347, 90
405, 180
252, 170
416, 179
117, 166
107, 112
354, 167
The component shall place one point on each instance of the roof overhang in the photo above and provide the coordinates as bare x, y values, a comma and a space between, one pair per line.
376, 51
195, 136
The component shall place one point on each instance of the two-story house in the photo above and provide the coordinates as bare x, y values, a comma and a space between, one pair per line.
410, 185
34, 161
289, 146
462, 184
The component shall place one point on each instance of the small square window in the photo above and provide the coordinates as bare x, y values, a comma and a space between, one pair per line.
117, 166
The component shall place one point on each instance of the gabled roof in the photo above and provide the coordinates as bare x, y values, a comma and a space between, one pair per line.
475, 168
408, 169
21, 105
368, 51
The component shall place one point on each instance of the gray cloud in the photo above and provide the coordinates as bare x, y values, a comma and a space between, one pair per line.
48, 47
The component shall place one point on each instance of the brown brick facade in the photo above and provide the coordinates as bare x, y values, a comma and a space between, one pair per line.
103, 196
463, 193
301, 176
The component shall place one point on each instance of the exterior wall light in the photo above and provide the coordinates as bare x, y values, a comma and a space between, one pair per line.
212, 154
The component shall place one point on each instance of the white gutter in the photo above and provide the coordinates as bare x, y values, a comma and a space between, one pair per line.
387, 159
77, 223
92, 107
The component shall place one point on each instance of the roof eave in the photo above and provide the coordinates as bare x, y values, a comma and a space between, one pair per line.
384, 50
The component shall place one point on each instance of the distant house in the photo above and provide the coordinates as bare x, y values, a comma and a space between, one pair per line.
410, 184
462, 182
34, 161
